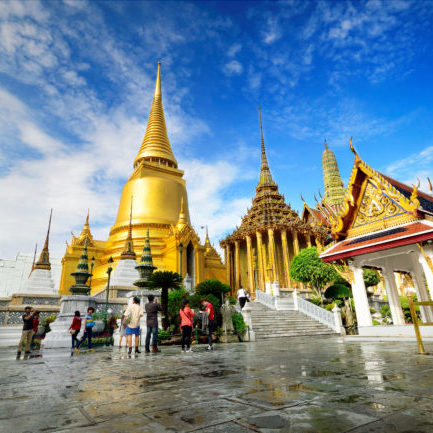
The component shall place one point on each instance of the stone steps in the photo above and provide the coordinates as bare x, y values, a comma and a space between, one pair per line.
269, 323
10, 335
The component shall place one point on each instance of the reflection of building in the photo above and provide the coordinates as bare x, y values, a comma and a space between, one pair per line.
387, 225
258, 253
158, 192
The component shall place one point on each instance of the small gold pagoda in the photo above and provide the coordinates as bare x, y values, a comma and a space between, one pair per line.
160, 205
259, 252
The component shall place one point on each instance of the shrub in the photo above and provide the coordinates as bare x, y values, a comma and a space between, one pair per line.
164, 335
238, 323
46, 322
375, 322
175, 298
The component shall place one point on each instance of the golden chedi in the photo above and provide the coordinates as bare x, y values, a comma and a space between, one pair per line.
160, 204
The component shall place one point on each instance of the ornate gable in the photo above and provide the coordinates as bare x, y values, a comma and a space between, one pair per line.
372, 203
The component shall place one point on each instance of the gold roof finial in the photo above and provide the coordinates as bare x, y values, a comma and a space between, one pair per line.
85, 232
156, 144
34, 260
129, 253
182, 221
207, 240
326, 144
44, 258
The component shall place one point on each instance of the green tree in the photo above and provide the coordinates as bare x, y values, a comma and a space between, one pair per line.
175, 299
307, 267
212, 287
164, 280
371, 277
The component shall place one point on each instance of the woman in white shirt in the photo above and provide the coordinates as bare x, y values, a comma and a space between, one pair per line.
242, 297
132, 317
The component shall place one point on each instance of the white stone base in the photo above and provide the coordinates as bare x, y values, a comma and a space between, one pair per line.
59, 335
39, 283
393, 331
125, 273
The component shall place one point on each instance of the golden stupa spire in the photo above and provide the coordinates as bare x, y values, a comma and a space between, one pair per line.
334, 187
265, 172
44, 258
85, 232
34, 261
182, 221
156, 146
129, 253
207, 243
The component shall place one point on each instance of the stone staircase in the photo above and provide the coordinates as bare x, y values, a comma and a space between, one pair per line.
268, 323
10, 335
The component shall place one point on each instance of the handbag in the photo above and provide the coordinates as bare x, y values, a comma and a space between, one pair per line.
72, 331
127, 320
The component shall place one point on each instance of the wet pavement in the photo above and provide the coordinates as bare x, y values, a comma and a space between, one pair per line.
309, 384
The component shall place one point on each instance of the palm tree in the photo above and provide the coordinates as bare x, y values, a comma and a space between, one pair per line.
164, 280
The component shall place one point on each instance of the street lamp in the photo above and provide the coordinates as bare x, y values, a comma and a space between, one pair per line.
180, 250
91, 272
107, 292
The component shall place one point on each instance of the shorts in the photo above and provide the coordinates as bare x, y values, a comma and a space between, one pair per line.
132, 331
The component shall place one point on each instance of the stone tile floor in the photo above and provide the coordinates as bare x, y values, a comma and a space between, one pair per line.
308, 384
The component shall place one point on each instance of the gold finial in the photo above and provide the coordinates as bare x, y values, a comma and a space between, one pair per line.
302, 198
430, 185
85, 233
44, 258
34, 260
129, 253
351, 146
156, 144
182, 221
265, 173
207, 240
326, 144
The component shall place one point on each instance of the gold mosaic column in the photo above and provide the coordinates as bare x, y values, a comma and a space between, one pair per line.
286, 259
273, 259
260, 264
228, 264
308, 240
295, 250
250, 265
237, 266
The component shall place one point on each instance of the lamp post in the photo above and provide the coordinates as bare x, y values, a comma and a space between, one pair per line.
180, 251
107, 292
91, 273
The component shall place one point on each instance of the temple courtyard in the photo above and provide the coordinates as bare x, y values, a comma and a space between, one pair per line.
310, 384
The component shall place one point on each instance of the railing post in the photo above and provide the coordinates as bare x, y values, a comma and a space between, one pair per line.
421, 349
295, 300
339, 328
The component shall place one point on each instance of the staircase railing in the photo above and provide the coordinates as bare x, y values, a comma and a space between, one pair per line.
317, 313
266, 299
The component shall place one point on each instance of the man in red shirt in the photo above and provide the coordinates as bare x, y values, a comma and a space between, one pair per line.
208, 307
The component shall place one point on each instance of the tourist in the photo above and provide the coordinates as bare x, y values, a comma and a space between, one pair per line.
152, 307
186, 317
208, 309
35, 328
122, 329
133, 314
74, 329
242, 297
27, 332
89, 323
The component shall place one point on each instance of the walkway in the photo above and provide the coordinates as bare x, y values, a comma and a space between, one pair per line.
306, 384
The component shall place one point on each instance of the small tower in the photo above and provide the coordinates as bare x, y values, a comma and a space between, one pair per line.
40, 280
81, 275
145, 267
334, 187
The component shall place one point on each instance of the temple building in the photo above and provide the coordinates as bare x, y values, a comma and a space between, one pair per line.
157, 193
388, 226
259, 252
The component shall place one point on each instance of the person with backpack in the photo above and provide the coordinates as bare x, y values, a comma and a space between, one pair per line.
209, 311
186, 321
74, 329
152, 307
89, 323
27, 332
242, 297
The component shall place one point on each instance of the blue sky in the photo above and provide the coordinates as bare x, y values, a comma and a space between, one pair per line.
76, 84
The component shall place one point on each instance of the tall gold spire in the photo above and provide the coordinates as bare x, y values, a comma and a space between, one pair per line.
265, 172
85, 232
156, 146
34, 261
44, 258
129, 253
334, 187
207, 243
182, 221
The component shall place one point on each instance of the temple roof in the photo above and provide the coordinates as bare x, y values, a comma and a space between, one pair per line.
268, 210
155, 143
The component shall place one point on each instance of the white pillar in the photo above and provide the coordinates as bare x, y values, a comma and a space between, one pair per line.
427, 272
295, 299
393, 297
339, 328
360, 299
421, 294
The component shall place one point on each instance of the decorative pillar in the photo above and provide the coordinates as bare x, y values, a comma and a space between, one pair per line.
422, 295
295, 243
427, 272
272, 254
393, 297
228, 263
250, 265
360, 299
286, 259
261, 266
237, 267
308, 236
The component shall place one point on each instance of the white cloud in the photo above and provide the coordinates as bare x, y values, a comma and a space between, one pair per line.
273, 31
234, 49
233, 68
